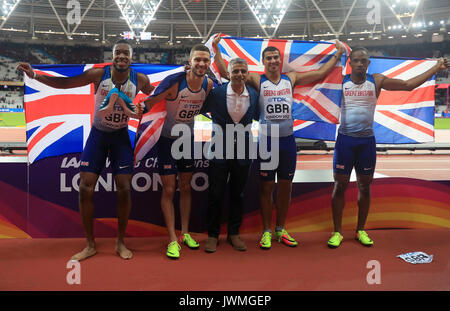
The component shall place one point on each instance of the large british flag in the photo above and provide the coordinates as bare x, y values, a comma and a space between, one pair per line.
401, 117
59, 120
315, 102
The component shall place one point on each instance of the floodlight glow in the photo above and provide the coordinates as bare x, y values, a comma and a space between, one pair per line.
138, 13
269, 13
403, 8
7, 8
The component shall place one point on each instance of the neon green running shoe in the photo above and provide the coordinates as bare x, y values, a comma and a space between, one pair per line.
363, 238
266, 240
173, 250
186, 239
335, 240
284, 237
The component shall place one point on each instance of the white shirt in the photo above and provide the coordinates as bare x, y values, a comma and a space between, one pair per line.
358, 107
237, 104
275, 106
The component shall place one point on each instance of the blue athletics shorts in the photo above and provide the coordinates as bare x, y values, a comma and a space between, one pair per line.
100, 144
167, 164
357, 152
287, 159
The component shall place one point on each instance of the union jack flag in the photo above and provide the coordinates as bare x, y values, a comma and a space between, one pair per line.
400, 117
315, 102
150, 125
128, 35
403, 117
59, 120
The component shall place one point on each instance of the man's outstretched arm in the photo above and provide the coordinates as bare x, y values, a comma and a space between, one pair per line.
389, 84
169, 93
92, 75
252, 78
218, 60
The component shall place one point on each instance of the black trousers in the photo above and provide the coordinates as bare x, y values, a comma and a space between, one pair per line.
220, 174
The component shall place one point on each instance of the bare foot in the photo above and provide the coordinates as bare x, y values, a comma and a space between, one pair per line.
123, 252
85, 253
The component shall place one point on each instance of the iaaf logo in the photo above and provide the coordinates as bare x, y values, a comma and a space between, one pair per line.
74, 162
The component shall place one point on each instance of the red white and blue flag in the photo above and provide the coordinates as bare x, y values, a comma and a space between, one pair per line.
128, 35
319, 101
150, 125
59, 120
401, 117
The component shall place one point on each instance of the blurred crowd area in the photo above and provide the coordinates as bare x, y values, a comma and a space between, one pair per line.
11, 97
12, 53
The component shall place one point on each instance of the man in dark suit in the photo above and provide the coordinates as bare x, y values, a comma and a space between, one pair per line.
233, 107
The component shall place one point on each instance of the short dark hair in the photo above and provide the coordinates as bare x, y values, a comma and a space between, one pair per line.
358, 48
199, 47
270, 49
236, 60
123, 41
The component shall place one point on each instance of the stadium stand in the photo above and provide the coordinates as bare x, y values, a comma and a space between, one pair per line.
11, 97
11, 53
8, 69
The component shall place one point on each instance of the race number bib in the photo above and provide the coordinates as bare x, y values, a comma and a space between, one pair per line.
277, 108
188, 109
416, 257
116, 120
277, 104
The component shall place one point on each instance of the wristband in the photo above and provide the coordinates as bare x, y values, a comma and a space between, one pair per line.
34, 75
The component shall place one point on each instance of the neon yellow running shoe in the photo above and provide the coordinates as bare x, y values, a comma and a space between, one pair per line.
363, 238
173, 250
335, 240
266, 240
186, 239
284, 237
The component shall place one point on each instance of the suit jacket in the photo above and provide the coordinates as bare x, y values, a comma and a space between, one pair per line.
216, 103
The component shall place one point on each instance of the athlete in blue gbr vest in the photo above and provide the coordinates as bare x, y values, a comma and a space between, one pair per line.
184, 94
355, 145
109, 135
275, 105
